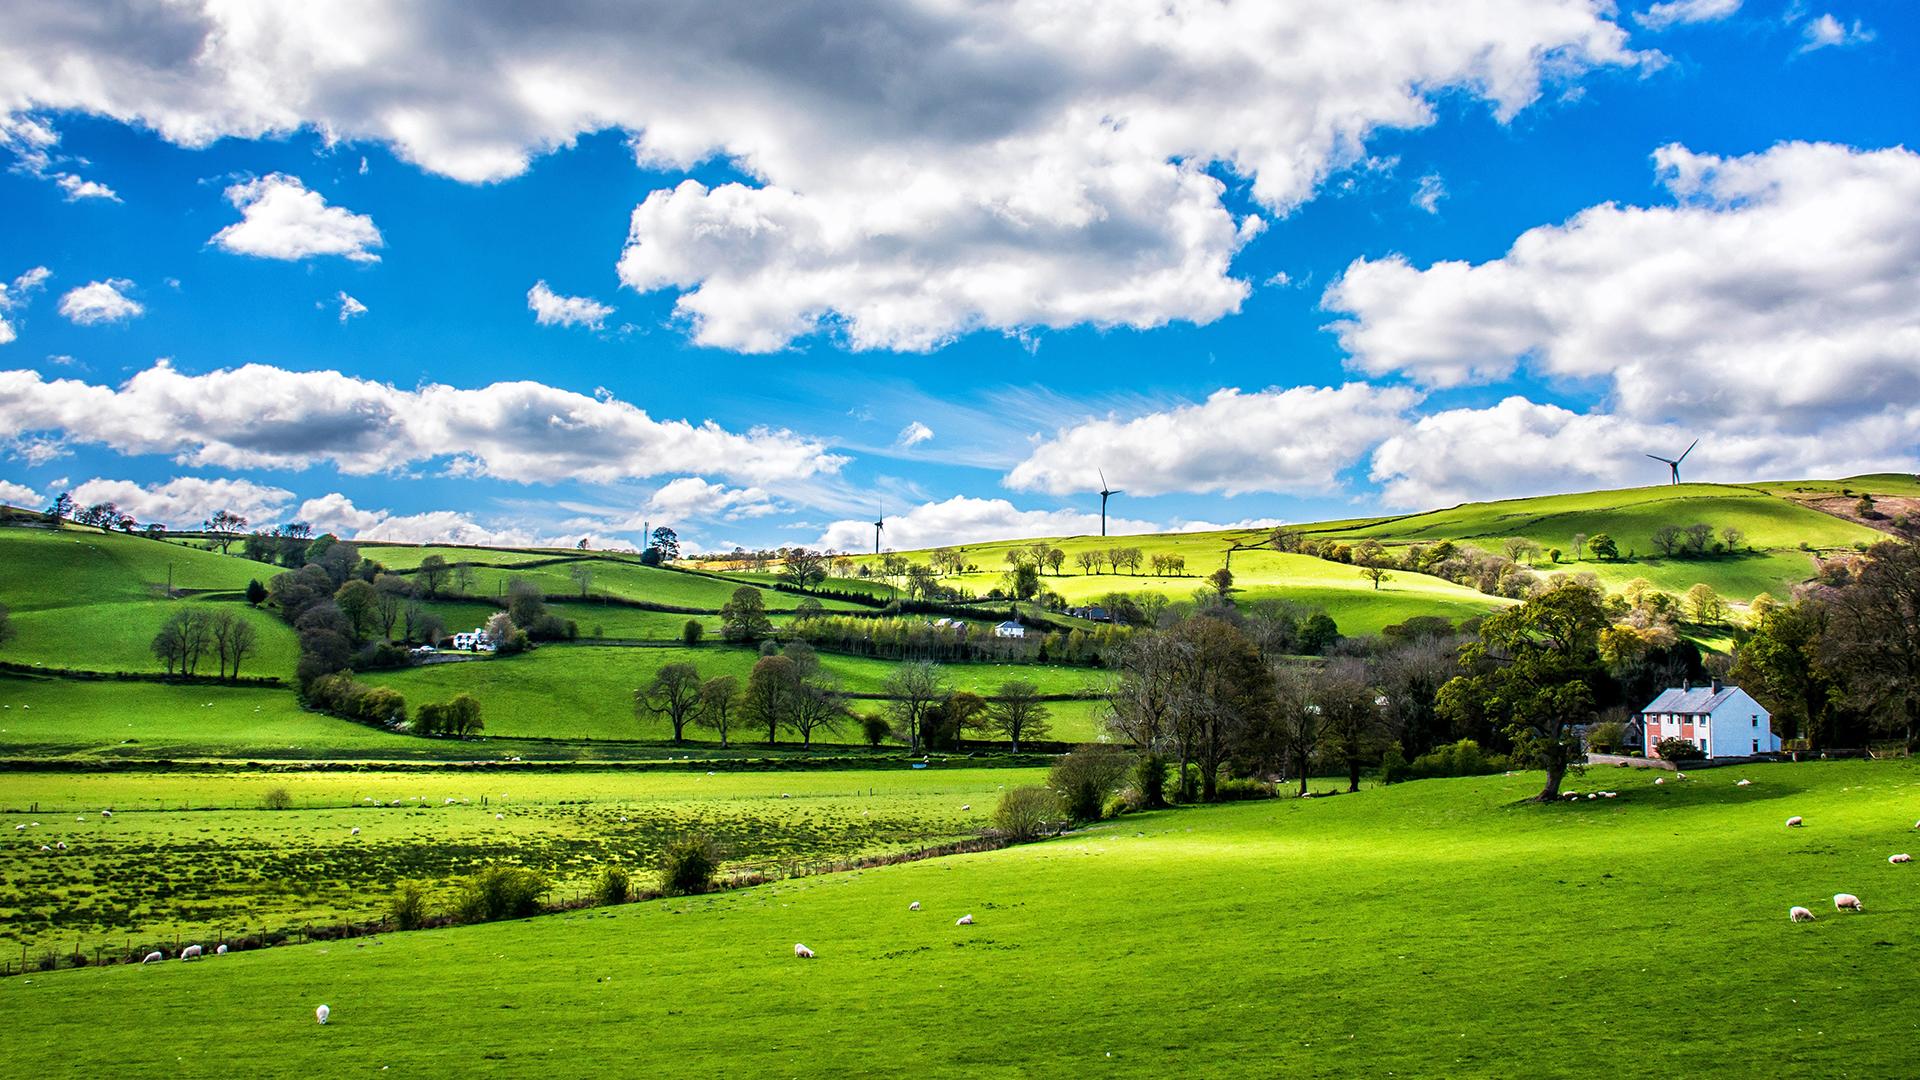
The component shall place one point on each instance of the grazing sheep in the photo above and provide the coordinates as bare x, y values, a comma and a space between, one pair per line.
106, 813
322, 1013
499, 817
1900, 858
784, 795
966, 806
355, 831
17, 828
1743, 783
1794, 822
802, 951
1800, 914
44, 847
1846, 901
220, 950
915, 906
191, 952
964, 920
154, 957
1680, 776
62, 845
1659, 780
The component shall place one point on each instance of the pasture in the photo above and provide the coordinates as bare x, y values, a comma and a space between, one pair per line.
1432, 928
196, 854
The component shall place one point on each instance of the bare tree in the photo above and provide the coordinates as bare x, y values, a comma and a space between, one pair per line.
1087, 560
1017, 712
718, 698
391, 596
582, 574
225, 526
674, 694
912, 690
818, 705
1351, 715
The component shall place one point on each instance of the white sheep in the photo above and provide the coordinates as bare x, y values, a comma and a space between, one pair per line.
62, 845
1659, 780
1679, 776
964, 920
355, 831
1903, 857
1794, 822
106, 813
1800, 914
220, 950
802, 952
1846, 901
966, 806
915, 906
17, 828
1743, 783
191, 952
322, 1013
154, 957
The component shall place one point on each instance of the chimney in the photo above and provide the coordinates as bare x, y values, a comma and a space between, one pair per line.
1686, 684
1716, 686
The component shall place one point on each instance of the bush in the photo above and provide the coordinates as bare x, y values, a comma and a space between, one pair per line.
381, 656
615, 886
278, 798
1606, 735
1150, 780
1679, 750
1393, 766
515, 642
410, 907
687, 865
875, 729
1464, 758
1028, 813
501, 892
692, 632
1241, 789
1084, 779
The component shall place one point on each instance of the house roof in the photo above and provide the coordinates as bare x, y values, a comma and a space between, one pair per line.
1008, 623
1698, 700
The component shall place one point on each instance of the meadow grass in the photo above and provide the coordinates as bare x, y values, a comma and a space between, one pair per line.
116, 636
1441, 928
46, 568
195, 853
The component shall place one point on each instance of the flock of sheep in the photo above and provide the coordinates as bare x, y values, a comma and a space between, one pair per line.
801, 952
1845, 901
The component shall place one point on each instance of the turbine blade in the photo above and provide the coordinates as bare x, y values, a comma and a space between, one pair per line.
1690, 447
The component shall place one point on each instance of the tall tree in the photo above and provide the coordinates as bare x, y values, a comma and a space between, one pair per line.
1872, 638
582, 574
744, 616
1299, 721
360, 603
225, 527
912, 690
673, 694
1018, 713
769, 695
666, 542
1780, 665
718, 698
1350, 712
1542, 659
1223, 688
432, 574
818, 705
803, 568
391, 595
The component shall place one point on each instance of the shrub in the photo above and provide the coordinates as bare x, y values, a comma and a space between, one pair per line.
515, 642
409, 907
381, 656
875, 729
692, 632
1464, 758
1150, 780
1394, 767
501, 892
278, 798
687, 865
1239, 789
1677, 749
1606, 735
1028, 813
1084, 778
615, 886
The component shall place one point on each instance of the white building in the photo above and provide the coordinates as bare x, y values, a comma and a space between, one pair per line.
1724, 721
1010, 629
475, 640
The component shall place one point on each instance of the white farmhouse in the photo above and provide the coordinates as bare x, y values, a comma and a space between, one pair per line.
475, 640
1009, 629
1724, 721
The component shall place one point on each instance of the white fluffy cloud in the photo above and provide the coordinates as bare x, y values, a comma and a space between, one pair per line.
914, 434
965, 520
14, 297
1294, 441
186, 501
13, 494
1519, 447
101, 302
1680, 12
1827, 32
1428, 193
335, 513
551, 309
78, 187
281, 219
349, 307
258, 416
919, 169
1781, 287
694, 498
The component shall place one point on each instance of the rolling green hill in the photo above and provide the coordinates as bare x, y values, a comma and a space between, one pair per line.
1428, 929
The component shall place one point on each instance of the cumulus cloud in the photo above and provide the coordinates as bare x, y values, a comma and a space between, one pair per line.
914, 434
16, 296
966, 520
1783, 285
695, 498
349, 307
101, 302
186, 500
1520, 447
13, 494
78, 188
1826, 32
551, 309
259, 416
917, 169
1294, 441
1681, 12
281, 219
337, 514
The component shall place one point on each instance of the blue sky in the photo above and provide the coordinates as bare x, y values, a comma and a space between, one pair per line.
956, 295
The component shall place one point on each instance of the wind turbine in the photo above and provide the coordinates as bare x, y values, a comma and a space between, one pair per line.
1674, 463
1104, 493
878, 524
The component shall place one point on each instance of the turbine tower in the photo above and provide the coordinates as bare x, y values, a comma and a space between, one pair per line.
1105, 493
1674, 463
879, 523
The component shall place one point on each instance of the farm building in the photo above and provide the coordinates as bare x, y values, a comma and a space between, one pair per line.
1724, 721
473, 640
1092, 613
1009, 629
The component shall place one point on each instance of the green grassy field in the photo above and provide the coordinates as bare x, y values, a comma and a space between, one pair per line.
586, 692
228, 864
1430, 929
43, 568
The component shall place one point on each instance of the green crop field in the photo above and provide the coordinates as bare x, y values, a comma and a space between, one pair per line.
1431, 929
586, 692
232, 865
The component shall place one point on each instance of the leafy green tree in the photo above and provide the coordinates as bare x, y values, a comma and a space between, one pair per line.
1603, 547
744, 616
667, 543
256, 592
912, 691
432, 574
360, 604
770, 693
673, 694
1222, 581
1704, 605
1538, 663
818, 705
1017, 712
692, 632
1779, 665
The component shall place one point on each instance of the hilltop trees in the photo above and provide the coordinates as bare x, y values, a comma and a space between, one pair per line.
225, 527
803, 568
